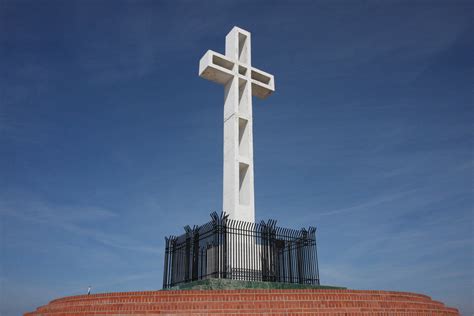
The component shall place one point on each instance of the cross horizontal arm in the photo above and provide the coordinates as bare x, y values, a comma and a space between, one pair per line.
220, 69
263, 84
216, 67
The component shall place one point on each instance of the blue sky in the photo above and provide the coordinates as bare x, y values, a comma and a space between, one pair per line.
109, 140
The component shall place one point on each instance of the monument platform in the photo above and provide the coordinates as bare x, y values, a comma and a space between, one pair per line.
327, 302
227, 284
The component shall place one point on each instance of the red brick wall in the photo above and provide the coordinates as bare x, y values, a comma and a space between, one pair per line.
248, 302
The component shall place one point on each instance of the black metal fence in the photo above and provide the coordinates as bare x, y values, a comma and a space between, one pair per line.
231, 249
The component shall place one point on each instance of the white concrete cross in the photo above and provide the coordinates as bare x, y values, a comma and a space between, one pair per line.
241, 81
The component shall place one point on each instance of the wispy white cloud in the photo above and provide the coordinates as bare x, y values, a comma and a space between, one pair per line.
79, 220
369, 204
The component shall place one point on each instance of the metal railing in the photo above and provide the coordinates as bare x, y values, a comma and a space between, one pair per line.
232, 249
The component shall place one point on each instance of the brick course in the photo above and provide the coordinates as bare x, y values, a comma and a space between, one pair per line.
248, 302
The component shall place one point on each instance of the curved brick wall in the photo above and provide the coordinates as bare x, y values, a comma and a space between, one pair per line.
248, 302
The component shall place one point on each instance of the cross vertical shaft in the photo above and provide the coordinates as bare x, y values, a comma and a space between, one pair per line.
241, 81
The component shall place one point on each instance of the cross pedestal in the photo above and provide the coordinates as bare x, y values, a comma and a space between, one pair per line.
241, 81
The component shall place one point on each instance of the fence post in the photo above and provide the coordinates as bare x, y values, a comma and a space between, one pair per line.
224, 246
315, 263
194, 272
166, 266
187, 254
215, 233
172, 262
263, 251
299, 248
